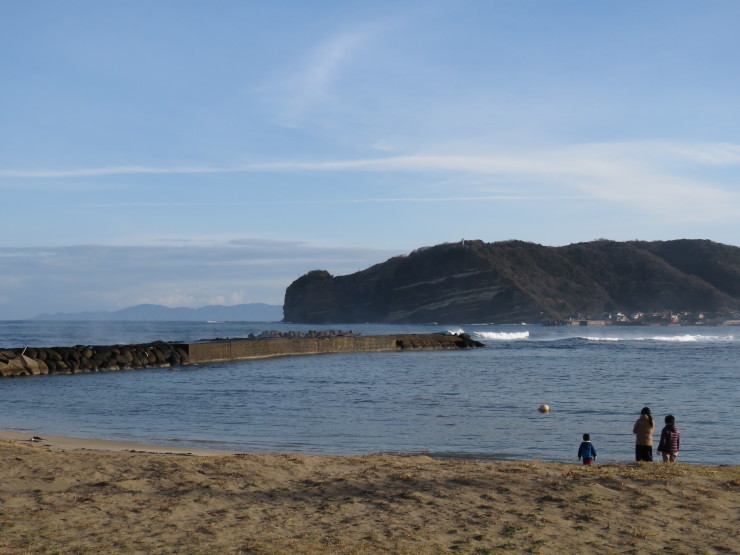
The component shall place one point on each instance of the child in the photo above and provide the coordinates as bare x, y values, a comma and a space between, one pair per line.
670, 439
643, 430
587, 451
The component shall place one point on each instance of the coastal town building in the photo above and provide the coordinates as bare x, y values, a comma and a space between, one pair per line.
658, 318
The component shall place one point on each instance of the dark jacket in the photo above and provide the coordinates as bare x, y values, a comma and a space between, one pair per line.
670, 438
587, 450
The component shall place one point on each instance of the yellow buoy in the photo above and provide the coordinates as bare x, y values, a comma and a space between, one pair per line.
544, 408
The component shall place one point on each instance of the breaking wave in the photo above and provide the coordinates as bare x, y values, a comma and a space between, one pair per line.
501, 336
492, 335
687, 338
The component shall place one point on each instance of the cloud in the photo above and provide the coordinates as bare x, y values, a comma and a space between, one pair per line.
309, 82
667, 179
182, 299
508, 196
115, 170
712, 154
576, 159
191, 273
648, 176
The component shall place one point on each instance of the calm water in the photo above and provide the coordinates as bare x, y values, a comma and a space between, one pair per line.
480, 403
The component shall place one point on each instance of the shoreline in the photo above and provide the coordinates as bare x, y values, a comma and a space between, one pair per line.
80, 444
71, 495
76, 444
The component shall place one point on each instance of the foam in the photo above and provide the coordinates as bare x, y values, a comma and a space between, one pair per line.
686, 338
502, 336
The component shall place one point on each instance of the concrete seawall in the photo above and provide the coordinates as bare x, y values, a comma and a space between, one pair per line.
82, 358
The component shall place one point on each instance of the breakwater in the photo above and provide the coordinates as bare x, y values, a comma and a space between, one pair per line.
32, 361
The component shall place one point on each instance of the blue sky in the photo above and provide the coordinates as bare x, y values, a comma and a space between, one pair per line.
189, 153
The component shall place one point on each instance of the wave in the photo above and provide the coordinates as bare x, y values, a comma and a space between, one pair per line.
546, 336
690, 338
492, 335
687, 338
501, 336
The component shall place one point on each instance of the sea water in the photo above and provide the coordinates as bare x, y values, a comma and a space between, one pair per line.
479, 403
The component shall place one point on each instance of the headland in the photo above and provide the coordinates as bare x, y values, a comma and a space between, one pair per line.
507, 282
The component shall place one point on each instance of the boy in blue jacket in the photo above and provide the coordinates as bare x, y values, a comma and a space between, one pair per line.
587, 451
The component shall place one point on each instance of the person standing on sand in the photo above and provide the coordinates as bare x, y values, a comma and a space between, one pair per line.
670, 439
643, 430
587, 451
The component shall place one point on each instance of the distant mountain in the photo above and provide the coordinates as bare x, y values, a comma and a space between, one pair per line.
253, 312
516, 281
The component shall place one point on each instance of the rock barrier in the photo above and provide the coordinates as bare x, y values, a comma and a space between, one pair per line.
85, 358
32, 361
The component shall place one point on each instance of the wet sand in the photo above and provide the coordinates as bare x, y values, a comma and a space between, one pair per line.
70, 495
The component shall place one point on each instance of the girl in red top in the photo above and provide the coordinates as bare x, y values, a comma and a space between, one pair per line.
670, 439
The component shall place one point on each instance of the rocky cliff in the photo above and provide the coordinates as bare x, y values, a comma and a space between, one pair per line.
515, 281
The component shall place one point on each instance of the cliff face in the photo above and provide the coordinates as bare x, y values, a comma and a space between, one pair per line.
515, 281
436, 284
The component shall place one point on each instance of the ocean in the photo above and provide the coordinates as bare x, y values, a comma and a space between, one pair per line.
479, 403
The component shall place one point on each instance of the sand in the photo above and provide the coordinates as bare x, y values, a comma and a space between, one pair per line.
66, 495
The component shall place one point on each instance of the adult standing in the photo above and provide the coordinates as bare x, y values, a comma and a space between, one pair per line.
643, 430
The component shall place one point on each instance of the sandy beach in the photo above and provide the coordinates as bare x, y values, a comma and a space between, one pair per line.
70, 495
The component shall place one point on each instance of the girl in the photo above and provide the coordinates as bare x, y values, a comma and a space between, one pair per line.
643, 430
670, 438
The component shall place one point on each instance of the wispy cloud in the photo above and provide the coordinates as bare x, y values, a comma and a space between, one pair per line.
116, 170
176, 272
309, 82
651, 176
575, 159
337, 201
713, 154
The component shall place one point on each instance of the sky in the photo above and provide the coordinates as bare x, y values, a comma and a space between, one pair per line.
189, 153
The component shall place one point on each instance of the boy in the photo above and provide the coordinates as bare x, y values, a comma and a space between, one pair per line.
587, 451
